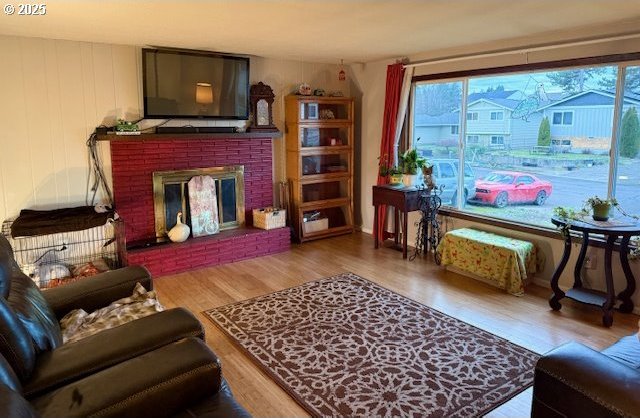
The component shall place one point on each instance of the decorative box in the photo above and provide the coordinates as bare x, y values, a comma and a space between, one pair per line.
269, 218
315, 226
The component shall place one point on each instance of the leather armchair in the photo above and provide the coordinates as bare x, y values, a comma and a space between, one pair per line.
576, 381
154, 366
182, 378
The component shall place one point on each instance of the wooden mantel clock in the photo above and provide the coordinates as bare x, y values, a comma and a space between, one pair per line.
261, 98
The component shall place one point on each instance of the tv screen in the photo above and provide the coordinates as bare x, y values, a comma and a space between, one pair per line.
193, 84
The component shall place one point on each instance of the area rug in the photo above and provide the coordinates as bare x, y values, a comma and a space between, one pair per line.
344, 346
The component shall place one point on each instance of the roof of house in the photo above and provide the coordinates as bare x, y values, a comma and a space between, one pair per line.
504, 103
593, 98
499, 94
451, 118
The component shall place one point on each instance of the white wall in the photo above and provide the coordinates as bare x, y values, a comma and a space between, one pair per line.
54, 93
370, 78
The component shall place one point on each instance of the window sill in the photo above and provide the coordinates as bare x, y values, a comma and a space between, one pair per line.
594, 241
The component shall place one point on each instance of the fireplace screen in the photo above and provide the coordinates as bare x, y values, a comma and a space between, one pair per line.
171, 195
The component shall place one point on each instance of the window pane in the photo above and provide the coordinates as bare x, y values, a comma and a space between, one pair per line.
551, 147
628, 178
436, 117
567, 118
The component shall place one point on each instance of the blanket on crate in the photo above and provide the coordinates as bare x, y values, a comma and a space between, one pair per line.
504, 262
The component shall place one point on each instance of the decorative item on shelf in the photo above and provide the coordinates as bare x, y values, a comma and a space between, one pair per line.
180, 232
342, 75
127, 128
412, 163
336, 93
335, 142
312, 222
304, 89
261, 98
319, 92
327, 114
269, 218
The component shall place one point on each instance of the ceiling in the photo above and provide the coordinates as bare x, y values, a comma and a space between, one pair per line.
322, 31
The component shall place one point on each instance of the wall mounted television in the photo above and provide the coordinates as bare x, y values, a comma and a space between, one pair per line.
194, 84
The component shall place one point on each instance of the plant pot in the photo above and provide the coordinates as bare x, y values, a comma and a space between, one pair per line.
601, 212
410, 180
395, 179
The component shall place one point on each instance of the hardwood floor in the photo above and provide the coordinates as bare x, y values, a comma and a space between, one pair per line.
526, 320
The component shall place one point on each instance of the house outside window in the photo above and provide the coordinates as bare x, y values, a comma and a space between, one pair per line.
563, 118
455, 130
581, 136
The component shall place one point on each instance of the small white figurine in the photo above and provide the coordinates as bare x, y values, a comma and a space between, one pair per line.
180, 232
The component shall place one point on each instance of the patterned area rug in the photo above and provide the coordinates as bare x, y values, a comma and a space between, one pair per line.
346, 346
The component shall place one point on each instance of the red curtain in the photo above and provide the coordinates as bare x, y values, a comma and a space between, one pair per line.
395, 74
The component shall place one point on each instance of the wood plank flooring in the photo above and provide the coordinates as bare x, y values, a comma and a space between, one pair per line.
526, 321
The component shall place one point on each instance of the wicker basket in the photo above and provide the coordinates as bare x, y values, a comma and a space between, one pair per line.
269, 218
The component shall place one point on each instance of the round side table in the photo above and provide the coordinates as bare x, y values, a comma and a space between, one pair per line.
604, 300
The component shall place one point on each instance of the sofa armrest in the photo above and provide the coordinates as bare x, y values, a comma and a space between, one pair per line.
575, 381
73, 361
97, 291
220, 405
156, 384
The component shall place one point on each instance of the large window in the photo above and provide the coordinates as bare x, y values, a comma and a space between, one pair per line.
532, 141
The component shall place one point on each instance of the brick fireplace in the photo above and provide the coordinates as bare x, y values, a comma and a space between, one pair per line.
135, 159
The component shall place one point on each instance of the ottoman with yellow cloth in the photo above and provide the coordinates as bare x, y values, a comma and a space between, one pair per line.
501, 261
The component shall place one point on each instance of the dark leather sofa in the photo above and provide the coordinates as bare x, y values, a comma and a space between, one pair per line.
157, 366
575, 381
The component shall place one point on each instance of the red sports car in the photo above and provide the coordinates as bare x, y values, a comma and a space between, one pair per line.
501, 188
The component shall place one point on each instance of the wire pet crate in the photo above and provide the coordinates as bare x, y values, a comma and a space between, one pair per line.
69, 249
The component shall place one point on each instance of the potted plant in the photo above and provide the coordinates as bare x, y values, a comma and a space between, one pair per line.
600, 207
395, 175
411, 163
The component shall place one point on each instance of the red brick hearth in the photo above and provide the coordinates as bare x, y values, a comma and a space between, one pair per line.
133, 163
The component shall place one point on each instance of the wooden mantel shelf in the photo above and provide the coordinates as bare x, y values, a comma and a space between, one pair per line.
197, 136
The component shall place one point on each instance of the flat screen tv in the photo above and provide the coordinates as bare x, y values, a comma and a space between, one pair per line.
194, 84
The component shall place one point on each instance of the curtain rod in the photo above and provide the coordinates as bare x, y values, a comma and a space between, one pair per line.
523, 50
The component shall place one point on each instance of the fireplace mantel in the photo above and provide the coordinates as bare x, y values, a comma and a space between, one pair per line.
192, 136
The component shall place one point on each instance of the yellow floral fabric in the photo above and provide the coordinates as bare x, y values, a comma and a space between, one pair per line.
504, 261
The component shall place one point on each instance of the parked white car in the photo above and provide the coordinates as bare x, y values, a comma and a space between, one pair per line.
445, 173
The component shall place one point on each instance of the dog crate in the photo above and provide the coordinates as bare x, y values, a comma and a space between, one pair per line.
51, 259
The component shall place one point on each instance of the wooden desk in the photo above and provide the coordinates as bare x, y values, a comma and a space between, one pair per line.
604, 300
405, 200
